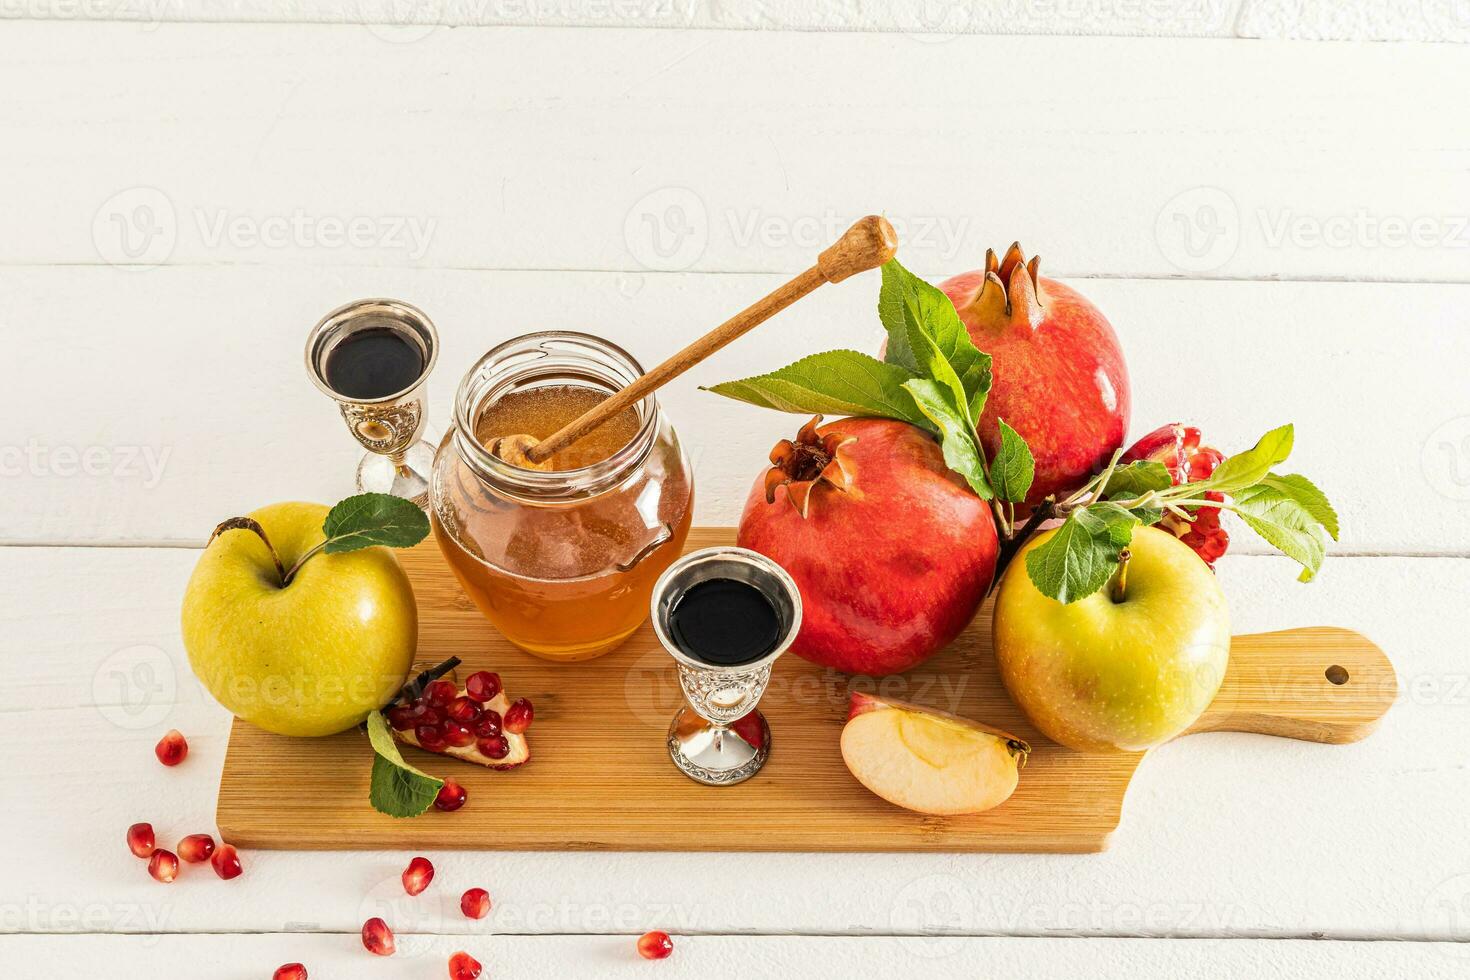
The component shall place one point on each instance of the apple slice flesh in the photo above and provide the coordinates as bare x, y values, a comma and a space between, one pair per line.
930, 761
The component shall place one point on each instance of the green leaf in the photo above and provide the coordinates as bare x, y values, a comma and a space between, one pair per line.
1289, 526
1136, 479
1082, 554
926, 337
1250, 467
1312, 500
838, 382
957, 439
398, 789
1013, 467
374, 519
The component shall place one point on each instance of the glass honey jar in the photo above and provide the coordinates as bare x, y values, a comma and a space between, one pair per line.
561, 561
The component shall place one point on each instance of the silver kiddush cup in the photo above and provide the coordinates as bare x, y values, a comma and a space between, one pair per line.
397, 460
720, 738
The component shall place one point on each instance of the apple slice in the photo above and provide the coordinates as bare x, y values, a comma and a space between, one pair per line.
929, 761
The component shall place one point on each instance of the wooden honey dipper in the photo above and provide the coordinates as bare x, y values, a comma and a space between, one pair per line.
866, 245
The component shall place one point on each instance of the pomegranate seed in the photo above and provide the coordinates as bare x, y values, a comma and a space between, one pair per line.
458, 735
489, 723
451, 796
495, 747
440, 693
655, 945
377, 938
463, 966
483, 686
464, 709
196, 848
226, 862
140, 839
291, 971
430, 737
401, 717
417, 875
423, 713
518, 716
163, 866
475, 903
172, 748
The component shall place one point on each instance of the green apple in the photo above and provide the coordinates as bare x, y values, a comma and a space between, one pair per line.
313, 657
1110, 672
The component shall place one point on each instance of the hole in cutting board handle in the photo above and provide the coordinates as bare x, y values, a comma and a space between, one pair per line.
1337, 674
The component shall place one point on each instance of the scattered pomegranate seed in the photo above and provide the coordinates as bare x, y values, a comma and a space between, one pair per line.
458, 734
417, 875
518, 716
172, 748
140, 839
475, 903
196, 848
291, 971
451, 796
401, 717
163, 866
463, 966
430, 737
655, 945
483, 686
377, 938
464, 709
495, 746
440, 693
489, 724
226, 862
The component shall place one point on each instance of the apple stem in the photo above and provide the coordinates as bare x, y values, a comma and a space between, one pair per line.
1044, 512
1120, 578
251, 524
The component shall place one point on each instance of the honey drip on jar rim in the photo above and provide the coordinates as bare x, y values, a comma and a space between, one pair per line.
540, 412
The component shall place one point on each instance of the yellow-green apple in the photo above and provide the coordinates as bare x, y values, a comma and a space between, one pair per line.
312, 657
1116, 672
929, 761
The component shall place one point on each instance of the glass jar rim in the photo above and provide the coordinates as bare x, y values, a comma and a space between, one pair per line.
525, 358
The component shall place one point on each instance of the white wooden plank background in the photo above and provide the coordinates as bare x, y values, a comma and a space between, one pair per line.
642, 184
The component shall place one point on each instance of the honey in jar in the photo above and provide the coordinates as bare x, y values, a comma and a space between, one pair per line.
562, 561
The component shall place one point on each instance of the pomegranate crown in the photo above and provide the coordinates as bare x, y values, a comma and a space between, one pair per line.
1009, 292
811, 460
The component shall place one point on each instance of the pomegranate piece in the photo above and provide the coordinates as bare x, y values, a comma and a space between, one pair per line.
1177, 446
451, 796
479, 724
377, 938
140, 839
892, 552
518, 717
163, 866
483, 686
1059, 375
291, 971
463, 966
172, 748
417, 875
655, 945
226, 862
196, 848
464, 709
475, 903
439, 693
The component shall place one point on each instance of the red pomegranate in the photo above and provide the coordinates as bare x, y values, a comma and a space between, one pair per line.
1059, 376
891, 550
1177, 447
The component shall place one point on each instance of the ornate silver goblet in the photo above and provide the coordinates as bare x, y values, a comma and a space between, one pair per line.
388, 425
720, 737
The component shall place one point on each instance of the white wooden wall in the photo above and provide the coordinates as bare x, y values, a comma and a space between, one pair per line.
1273, 215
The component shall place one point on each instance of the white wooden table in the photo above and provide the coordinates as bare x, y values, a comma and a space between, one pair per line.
1277, 226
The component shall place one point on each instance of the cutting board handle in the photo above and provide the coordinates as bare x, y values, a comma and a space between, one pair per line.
1318, 684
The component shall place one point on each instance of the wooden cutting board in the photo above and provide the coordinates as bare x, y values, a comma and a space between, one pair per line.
600, 779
